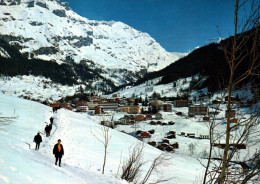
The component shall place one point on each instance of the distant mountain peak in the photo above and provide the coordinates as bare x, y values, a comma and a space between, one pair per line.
50, 30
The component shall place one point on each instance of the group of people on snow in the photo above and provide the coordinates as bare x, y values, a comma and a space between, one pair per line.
58, 150
48, 130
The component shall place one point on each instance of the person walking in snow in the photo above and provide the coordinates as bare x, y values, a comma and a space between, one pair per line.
47, 131
58, 151
51, 120
37, 140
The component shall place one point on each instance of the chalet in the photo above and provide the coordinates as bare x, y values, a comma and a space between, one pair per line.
66, 106
82, 108
181, 103
108, 124
25, 97
165, 107
198, 110
164, 145
204, 136
166, 141
172, 132
238, 146
131, 117
232, 113
158, 123
94, 99
158, 116
145, 135
171, 136
81, 103
216, 102
175, 145
56, 105
151, 131
234, 120
139, 118
160, 147
152, 143
131, 122
114, 100
148, 117
127, 120
131, 101
138, 132
123, 102
91, 105
169, 148
205, 118
124, 109
179, 113
153, 123
116, 95
171, 123
191, 135
108, 106
131, 109
156, 103
98, 110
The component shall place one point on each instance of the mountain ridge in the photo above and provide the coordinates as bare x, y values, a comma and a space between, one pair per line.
50, 30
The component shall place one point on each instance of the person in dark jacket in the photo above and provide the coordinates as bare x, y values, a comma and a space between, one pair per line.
47, 130
51, 120
37, 140
58, 151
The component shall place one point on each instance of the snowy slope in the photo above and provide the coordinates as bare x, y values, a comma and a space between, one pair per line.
38, 88
20, 163
50, 30
82, 162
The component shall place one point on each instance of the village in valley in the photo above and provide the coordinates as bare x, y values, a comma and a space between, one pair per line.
171, 124
160, 92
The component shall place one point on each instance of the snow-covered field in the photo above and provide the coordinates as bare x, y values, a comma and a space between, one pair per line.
21, 119
38, 88
20, 163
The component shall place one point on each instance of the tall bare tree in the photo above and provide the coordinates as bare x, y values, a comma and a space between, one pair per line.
241, 50
103, 136
238, 52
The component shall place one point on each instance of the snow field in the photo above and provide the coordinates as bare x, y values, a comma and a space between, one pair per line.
20, 163
83, 158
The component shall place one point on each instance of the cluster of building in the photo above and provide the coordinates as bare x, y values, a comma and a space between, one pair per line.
99, 105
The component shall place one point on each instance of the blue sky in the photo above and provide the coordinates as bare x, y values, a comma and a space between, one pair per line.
178, 25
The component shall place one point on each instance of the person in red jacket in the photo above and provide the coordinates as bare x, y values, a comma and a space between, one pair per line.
58, 151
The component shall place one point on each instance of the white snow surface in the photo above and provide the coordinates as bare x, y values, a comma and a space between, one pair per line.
114, 45
21, 119
38, 88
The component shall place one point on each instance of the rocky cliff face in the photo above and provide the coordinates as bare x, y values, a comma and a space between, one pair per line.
50, 30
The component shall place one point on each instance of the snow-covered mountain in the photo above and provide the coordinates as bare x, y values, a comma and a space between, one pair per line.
50, 30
